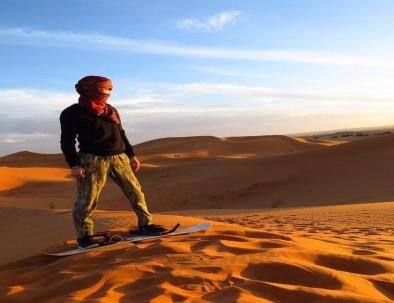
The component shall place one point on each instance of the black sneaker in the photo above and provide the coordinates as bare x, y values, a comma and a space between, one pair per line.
87, 242
151, 229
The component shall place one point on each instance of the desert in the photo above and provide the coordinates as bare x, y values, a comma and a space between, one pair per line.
196, 151
295, 219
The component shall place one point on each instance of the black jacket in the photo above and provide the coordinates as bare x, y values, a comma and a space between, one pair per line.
95, 135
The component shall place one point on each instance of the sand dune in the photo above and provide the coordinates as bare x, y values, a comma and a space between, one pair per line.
11, 177
29, 159
214, 146
320, 141
198, 146
360, 171
229, 263
253, 253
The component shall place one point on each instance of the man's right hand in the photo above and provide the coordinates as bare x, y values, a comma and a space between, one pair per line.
78, 172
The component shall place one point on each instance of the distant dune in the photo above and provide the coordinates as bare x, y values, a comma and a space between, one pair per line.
214, 146
203, 146
250, 172
29, 159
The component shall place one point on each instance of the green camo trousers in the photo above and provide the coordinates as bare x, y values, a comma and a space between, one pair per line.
97, 168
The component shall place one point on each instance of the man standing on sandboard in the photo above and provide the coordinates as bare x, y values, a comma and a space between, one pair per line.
104, 150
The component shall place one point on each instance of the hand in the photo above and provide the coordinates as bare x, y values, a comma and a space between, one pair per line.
78, 172
135, 164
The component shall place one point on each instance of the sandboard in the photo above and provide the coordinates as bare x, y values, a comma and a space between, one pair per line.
193, 229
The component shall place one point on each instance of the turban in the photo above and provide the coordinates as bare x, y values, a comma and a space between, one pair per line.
94, 92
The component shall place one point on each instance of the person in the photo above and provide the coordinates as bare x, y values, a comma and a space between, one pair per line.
104, 150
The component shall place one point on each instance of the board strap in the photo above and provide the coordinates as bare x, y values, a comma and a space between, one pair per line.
138, 233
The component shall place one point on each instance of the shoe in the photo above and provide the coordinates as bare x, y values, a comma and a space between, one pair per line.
151, 229
87, 242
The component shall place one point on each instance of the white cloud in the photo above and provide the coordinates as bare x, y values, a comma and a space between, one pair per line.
189, 97
215, 22
231, 73
250, 92
162, 110
93, 41
31, 102
23, 137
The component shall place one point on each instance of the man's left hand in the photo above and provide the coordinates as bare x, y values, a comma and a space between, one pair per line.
135, 164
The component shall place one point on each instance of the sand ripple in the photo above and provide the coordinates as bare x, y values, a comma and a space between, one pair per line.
225, 264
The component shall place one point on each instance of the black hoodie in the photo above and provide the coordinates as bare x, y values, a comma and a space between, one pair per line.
95, 135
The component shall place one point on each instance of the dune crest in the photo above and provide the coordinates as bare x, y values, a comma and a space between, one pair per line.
210, 146
30, 159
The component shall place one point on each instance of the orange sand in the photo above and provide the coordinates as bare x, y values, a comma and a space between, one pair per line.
228, 263
11, 177
312, 253
250, 172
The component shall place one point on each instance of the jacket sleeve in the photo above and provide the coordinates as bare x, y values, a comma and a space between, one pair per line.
68, 138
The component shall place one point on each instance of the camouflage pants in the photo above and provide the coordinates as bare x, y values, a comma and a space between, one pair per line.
97, 168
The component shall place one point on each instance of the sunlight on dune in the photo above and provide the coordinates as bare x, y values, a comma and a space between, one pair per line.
11, 177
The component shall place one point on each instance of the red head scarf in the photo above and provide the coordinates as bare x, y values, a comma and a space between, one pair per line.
93, 97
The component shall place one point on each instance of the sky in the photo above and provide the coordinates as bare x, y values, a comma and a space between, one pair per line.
190, 68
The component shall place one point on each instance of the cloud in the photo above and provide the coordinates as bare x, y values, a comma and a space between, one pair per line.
164, 109
33, 102
189, 97
259, 93
23, 137
215, 22
225, 72
94, 41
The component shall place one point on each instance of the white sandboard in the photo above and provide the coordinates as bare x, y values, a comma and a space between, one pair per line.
193, 229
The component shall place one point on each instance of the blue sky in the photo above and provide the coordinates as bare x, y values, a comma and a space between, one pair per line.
183, 68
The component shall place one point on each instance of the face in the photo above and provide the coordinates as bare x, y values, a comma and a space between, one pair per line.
105, 90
